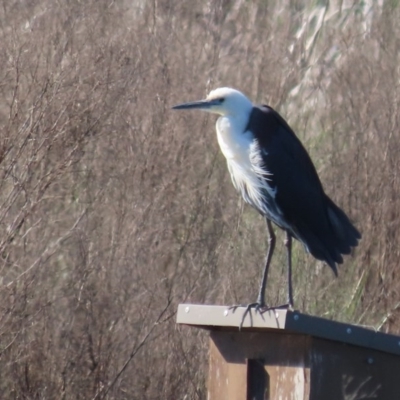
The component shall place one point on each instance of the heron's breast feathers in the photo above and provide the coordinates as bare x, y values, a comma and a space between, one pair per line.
252, 180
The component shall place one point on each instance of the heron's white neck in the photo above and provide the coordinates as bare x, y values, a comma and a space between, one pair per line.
232, 138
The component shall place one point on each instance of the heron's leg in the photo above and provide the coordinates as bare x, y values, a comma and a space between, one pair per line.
259, 305
271, 247
288, 244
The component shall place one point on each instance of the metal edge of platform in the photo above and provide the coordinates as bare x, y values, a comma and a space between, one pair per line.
208, 316
217, 317
342, 332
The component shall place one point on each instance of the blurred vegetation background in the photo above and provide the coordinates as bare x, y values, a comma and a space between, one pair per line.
114, 209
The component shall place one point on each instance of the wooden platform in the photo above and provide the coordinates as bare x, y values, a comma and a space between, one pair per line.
289, 355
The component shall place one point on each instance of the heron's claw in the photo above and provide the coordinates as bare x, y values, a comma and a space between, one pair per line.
258, 307
286, 306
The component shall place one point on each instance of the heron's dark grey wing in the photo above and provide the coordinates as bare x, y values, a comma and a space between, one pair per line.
305, 210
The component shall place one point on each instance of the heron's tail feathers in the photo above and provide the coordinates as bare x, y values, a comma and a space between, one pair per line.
345, 234
320, 251
338, 239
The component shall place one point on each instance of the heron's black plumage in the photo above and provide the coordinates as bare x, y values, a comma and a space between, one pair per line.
300, 205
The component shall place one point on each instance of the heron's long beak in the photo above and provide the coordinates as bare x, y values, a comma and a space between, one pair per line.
201, 105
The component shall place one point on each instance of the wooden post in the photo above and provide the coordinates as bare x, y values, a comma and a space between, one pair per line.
289, 355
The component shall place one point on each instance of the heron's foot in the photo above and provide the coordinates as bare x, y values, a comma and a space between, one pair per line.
258, 307
286, 306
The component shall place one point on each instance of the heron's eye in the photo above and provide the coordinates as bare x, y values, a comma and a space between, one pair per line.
221, 100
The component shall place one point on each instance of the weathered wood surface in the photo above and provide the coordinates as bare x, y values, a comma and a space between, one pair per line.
291, 356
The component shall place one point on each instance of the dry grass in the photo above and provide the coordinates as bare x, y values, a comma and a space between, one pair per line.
114, 209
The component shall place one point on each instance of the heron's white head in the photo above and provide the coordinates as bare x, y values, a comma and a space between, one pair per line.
223, 101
